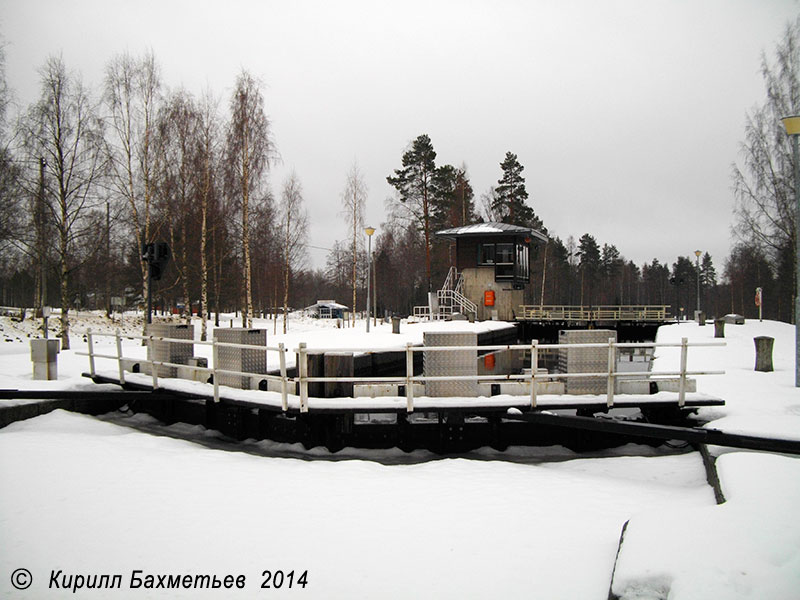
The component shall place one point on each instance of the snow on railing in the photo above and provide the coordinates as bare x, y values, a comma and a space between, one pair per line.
302, 379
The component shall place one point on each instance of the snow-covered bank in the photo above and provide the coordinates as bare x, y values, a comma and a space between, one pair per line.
90, 497
756, 403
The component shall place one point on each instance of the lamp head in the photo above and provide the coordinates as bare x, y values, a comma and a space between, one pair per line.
792, 125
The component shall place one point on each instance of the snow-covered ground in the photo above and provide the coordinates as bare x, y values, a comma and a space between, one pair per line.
81, 497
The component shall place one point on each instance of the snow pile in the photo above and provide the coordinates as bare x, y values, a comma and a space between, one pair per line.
746, 548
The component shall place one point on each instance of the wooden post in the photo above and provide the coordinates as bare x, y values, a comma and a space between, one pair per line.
612, 358
214, 375
153, 367
682, 385
302, 374
409, 377
534, 366
284, 383
119, 357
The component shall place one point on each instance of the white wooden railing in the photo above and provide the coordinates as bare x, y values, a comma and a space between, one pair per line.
302, 379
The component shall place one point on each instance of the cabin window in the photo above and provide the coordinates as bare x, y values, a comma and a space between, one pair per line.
505, 254
510, 261
486, 254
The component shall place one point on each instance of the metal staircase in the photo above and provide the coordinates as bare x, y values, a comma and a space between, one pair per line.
448, 301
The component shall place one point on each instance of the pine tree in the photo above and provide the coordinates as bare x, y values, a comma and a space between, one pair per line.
589, 266
510, 195
416, 187
708, 275
453, 198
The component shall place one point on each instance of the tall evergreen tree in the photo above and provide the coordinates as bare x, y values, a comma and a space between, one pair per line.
655, 277
416, 186
589, 266
611, 264
510, 195
453, 204
684, 280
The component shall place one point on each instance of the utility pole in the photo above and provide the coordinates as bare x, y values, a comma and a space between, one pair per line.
40, 246
369, 231
108, 258
792, 125
697, 254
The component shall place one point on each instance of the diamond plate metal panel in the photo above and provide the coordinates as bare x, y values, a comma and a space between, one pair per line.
449, 363
584, 360
172, 352
240, 359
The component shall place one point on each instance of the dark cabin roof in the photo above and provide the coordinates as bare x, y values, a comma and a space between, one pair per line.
490, 230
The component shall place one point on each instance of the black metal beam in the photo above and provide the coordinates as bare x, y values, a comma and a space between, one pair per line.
695, 435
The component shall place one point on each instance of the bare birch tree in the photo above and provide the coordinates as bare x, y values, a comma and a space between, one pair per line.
763, 181
179, 183
133, 94
64, 128
294, 224
209, 141
10, 173
249, 151
354, 198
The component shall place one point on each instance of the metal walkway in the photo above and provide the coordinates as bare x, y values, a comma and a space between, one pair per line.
693, 435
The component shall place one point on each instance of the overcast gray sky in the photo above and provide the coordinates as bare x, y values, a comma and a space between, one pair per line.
627, 115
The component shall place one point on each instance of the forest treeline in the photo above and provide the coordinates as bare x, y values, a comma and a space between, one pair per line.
87, 176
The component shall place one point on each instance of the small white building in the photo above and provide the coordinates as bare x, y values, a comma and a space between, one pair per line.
326, 309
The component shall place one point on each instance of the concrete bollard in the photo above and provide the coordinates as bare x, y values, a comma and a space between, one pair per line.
764, 352
719, 328
395, 324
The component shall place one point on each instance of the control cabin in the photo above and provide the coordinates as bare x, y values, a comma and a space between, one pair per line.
493, 263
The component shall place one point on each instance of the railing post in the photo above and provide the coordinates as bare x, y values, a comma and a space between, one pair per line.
534, 366
409, 378
612, 359
682, 385
153, 367
214, 376
119, 356
284, 383
302, 373
90, 342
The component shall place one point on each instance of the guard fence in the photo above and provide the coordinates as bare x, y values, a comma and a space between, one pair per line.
532, 375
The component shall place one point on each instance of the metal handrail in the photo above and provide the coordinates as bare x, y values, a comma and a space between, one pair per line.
303, 379
636, 312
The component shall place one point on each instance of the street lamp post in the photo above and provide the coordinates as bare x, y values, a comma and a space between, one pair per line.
369, 231
697, 255
792, 125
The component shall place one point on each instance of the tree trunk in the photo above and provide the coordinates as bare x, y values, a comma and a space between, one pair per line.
64, 334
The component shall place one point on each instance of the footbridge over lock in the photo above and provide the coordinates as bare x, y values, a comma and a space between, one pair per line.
331, 404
